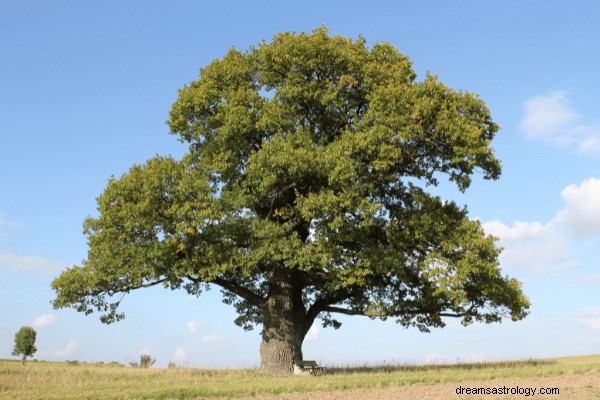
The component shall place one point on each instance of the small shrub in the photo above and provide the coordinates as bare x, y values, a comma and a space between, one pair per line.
146, 361
115, 364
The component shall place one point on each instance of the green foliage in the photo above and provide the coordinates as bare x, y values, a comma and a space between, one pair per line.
310, 154
25, 343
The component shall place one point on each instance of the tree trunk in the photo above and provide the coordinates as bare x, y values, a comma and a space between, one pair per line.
284, 324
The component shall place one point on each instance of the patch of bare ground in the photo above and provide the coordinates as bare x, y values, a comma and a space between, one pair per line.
572, 387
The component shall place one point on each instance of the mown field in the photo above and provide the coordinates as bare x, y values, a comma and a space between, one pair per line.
575, 377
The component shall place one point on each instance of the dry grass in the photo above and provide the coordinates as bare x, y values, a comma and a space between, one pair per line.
46, 380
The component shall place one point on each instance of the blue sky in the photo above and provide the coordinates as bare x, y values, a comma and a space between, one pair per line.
85, 88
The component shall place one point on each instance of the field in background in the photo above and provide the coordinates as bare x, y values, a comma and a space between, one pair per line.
52, 380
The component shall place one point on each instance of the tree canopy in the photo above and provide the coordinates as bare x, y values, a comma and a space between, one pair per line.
304, 194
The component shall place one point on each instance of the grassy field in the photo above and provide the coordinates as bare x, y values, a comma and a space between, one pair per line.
50, 380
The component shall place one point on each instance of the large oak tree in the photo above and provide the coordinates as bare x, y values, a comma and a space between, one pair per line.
304, 195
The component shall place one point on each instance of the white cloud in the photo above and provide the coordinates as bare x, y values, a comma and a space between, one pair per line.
546, 248
30, 263
582, 208
313, 334
532, 246
7, 225
588, 138
211, 339
181, 353
518, 232
44, 320
69, 349
593, 279
145, 351
552, 118
194, 326
592, 323
549, 117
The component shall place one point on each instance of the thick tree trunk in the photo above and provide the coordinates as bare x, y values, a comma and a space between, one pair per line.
284, 324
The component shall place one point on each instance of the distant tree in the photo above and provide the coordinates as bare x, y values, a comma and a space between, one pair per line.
304, 194
25, 343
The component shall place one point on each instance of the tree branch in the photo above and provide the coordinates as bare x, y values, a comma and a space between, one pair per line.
346, 311
234, 288
321, 304
127, 289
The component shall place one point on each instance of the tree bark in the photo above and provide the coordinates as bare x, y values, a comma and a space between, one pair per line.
285, 324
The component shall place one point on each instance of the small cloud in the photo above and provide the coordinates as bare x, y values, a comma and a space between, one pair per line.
553, 118
549, 117
591, 145
44, 320
194, 326
7, 225
30, 263
592, 323
313, 334
212, 339
69, 349
532, 246
518, 232
593, 279
145, 350
181, 353
582, 208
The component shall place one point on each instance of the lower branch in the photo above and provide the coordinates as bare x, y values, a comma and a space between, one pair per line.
346, 311
234, 288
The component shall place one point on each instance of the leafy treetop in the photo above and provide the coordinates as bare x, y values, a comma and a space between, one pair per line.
308, 167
